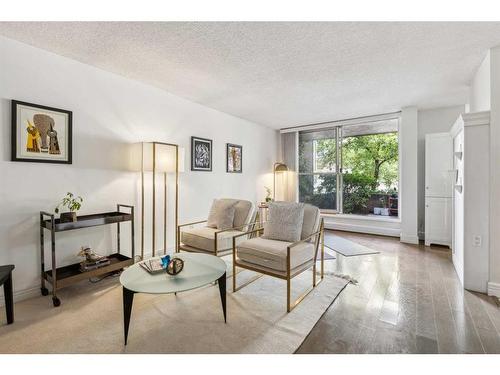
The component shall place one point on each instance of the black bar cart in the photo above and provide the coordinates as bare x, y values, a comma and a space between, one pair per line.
67, 275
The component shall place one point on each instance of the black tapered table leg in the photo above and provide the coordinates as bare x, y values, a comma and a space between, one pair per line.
9, 299
222, 289
128, 299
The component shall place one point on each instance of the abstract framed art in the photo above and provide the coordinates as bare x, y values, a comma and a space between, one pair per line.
41, 134
234, 158
201, 154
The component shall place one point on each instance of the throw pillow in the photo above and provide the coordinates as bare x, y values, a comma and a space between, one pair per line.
221, 214
284, 221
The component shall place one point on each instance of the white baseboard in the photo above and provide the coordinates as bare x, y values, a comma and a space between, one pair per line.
494, 289
21, 295
409, 238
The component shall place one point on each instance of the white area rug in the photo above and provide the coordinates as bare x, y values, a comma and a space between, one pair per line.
90, 319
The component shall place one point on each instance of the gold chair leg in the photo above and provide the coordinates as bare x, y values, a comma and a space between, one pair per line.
258, 276
322, 251
314, 274
234, 265
288, 282
178, 240
289, 305
288, 296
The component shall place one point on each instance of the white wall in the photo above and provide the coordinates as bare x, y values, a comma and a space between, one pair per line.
382, 226
436, 120
494, 284
476, 200
480, 95
109, 113
408, 175
471, 238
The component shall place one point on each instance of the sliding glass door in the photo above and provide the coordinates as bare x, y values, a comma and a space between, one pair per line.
351, 169
318, 169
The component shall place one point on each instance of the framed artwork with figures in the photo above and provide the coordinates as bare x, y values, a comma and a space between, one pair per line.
234, 158
41, 134
201, 154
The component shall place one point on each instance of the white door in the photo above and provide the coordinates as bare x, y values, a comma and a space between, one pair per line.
438, 221
438, 165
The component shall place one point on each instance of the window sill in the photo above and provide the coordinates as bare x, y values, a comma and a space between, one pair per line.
380, 218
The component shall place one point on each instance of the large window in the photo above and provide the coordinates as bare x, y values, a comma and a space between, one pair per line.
351, 169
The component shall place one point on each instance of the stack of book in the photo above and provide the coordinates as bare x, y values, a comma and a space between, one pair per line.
153, 266
96, 262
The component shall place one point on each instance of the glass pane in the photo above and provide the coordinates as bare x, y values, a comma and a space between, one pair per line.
317, 151
370, 173
319, 190
325, 155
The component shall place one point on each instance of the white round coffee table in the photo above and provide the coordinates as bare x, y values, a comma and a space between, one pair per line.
199, 270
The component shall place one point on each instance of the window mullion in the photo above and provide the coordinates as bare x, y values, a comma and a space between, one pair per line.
339, 169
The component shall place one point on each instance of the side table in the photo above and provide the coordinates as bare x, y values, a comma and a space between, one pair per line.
6, 281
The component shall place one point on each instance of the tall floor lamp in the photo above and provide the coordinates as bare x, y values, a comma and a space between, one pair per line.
160, 158
278, 169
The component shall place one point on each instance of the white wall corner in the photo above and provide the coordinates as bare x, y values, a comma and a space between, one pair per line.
480, 90
494, 289
494, 137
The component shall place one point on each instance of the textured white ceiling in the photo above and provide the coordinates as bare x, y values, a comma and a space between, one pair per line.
282, 74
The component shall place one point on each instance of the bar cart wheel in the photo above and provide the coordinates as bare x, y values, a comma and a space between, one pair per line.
56, 301
45, 291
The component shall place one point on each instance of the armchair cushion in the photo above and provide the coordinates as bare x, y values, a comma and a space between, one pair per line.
312, 219
285, 221
272, 254
221, 214
203, 238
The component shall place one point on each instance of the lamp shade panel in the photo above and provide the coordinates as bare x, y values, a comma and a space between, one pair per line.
165, 158
164, 161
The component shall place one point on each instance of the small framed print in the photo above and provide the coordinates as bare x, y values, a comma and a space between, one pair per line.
234, 158
201, 154
41, 134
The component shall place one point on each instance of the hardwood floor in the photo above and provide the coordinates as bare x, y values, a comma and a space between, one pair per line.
408, 300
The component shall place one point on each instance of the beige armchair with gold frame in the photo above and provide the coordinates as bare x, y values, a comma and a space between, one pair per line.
194, 237
281, 259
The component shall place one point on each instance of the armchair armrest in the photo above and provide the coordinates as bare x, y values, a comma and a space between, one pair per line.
247, 233
193, 223
234, 237
304, 240
236, 228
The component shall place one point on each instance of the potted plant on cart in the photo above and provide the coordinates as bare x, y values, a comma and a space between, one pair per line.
73, 204
268, 194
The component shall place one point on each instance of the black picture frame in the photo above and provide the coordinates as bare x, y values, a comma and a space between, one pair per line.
228, 150
15, 150
201, 149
